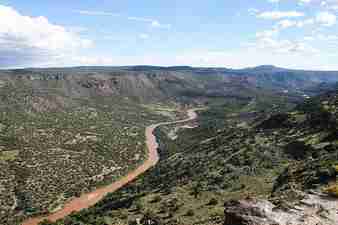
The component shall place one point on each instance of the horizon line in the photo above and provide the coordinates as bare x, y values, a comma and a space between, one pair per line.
164, 67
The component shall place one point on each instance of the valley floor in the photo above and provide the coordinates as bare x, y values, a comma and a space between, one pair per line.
90, 199
263, 164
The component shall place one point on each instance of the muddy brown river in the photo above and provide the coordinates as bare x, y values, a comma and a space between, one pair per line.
91, 198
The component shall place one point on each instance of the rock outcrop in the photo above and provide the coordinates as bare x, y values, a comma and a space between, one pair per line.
313, 209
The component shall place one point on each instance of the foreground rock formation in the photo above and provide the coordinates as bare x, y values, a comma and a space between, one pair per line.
313, 209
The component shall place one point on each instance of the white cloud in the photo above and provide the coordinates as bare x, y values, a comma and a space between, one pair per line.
305, 1
96, 13
152, 22
327, 38
283, 24
269, 41
77, 29
285, 46
323, 37
275, 15
140, 19
326, 19
330, 4
144, 36
89, 61
267, 33
300, 2
305, 22
26, 40
253, 11
157, 24
309, 38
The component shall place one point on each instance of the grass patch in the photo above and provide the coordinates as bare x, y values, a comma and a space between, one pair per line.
9, 155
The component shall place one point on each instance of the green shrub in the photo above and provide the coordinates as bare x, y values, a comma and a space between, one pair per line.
213, 202
190, 212
156, 199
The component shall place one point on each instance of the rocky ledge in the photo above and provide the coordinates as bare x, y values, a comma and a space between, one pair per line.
313, 209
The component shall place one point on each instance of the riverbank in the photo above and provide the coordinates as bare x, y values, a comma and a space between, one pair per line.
90, 199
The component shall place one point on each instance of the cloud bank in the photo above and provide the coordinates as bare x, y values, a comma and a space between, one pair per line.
27, 41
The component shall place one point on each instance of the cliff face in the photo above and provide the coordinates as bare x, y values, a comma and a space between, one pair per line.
313, 209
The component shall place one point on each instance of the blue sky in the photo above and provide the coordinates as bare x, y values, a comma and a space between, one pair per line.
243, 33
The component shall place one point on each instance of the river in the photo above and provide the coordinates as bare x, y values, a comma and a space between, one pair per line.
89, 199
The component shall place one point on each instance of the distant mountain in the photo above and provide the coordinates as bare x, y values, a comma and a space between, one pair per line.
152, 83
265, 67
266, 76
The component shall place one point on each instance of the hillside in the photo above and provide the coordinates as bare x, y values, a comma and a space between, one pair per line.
148, 83
277, 158
65, 131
